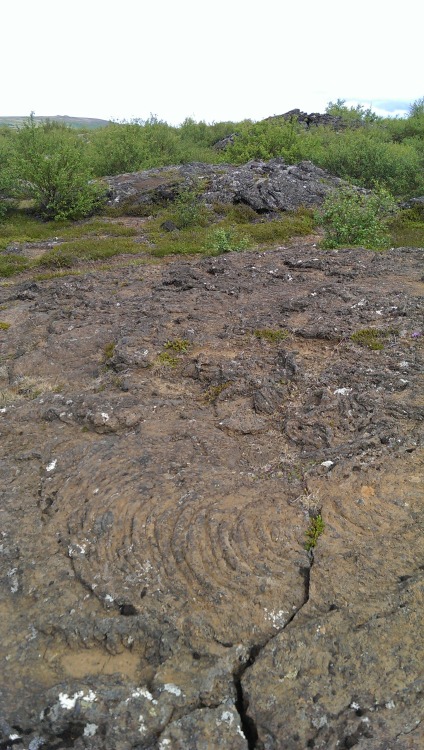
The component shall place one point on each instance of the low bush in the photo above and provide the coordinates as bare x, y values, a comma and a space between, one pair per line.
226, 240
49, 165
353, 218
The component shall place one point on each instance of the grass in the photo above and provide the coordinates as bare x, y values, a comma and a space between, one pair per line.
224, 229
26, 388
407, 228
232, 227
178, 345
316, 528
4, 326
12, 264
214, 391
22, 227
69, 253
372, 338
270, 335
166, 359
108, 350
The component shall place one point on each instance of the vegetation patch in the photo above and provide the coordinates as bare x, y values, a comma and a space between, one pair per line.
212, 394
108, 350
407, 228
165, 358
68, 254
359, 219
226, 240
4, 326
316, 528
372, 338
178, 345
271, 335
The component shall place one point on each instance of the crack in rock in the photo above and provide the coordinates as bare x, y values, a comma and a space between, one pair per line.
247, 722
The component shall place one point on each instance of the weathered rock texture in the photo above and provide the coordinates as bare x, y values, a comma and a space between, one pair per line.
312, 119
264, 186
155, 587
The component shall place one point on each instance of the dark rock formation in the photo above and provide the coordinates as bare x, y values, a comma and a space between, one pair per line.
311, 120
156, 591
264, 186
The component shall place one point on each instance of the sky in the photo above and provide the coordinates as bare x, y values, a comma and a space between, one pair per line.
212, 61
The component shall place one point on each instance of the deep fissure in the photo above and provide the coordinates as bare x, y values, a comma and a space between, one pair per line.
248, 725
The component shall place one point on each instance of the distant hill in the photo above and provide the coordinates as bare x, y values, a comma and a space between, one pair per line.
89, 123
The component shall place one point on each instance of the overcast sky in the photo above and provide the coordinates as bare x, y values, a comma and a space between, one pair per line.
213, 61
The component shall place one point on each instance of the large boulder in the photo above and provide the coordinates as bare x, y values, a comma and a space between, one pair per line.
265, 186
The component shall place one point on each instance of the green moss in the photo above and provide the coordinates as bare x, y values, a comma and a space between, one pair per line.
4, 326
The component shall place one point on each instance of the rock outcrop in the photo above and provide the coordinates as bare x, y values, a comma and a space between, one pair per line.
170, 434
264, 186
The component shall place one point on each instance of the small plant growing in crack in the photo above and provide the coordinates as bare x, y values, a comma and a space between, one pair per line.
316, 528
212, 394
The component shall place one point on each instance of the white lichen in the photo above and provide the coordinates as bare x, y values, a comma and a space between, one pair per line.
171, 688
90, 730
278, 618
69, 702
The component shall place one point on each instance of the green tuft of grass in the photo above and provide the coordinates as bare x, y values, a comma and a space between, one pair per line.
270, 335
108, 350
316, 528
178, 345
165, 358
212, 394
372, 338
4, 326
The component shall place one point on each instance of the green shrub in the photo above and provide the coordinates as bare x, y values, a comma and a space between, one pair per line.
49, 165
187, 211
228, 240
178, 345
265, 140
352, 218
351, 115
367, 157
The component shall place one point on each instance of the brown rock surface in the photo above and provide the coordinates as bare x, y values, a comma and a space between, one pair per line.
163, 454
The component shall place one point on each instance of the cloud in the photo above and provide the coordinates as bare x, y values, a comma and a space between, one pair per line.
383, 107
